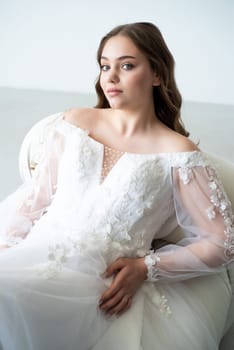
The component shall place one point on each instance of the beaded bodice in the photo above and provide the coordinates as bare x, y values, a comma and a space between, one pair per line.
110, 157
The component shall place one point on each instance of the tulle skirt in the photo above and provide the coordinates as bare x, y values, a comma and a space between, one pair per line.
44, 310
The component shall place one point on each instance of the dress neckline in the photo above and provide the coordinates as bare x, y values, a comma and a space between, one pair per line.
152, 154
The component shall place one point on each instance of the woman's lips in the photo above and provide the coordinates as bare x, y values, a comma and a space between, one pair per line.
113, 92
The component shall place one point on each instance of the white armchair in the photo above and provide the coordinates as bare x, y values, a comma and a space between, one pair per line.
30, 154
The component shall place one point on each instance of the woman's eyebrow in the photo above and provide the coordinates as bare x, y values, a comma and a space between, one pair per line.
119, 58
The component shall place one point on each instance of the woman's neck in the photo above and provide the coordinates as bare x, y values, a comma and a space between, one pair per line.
130, 123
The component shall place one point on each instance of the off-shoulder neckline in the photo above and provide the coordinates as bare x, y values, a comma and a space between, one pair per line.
152, 154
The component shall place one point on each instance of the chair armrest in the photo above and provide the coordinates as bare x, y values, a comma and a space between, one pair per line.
33, 145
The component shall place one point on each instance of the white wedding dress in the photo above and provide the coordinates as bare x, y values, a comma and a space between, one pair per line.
67, 225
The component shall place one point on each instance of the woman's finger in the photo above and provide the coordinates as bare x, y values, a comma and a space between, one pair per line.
109, 293
114, 288
129, 304
114, 267
121, 306
110, 303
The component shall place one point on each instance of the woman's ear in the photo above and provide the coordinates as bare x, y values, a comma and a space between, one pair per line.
156, 81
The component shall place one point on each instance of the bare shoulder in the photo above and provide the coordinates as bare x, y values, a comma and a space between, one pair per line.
175, 142
184, 144
81, 117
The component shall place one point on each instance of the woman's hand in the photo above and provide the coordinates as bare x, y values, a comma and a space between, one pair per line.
129, 276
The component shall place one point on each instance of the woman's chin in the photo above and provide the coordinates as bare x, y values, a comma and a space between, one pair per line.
116, 104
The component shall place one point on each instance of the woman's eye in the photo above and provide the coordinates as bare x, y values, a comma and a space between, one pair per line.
104, 67
127, 66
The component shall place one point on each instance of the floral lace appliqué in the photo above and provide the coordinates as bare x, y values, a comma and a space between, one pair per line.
220, 203
185, 175
57, 257
157, 298
151, 260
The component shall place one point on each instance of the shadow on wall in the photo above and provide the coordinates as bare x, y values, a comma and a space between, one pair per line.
212, 125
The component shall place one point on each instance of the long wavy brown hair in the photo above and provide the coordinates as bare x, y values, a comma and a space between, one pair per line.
167, 98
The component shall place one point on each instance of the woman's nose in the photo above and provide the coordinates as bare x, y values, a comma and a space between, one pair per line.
113, 76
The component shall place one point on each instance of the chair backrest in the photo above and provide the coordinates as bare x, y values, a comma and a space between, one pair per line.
33, 144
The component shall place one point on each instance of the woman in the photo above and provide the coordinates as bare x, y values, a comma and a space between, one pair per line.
76, 268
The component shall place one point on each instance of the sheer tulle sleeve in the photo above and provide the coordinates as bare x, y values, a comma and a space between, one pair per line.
29, 202
205, 215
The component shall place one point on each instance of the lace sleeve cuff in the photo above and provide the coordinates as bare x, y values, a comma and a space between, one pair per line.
151, 260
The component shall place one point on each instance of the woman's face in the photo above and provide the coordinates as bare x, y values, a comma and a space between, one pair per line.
126, 76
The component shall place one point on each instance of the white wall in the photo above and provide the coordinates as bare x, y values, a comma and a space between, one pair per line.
51, 44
